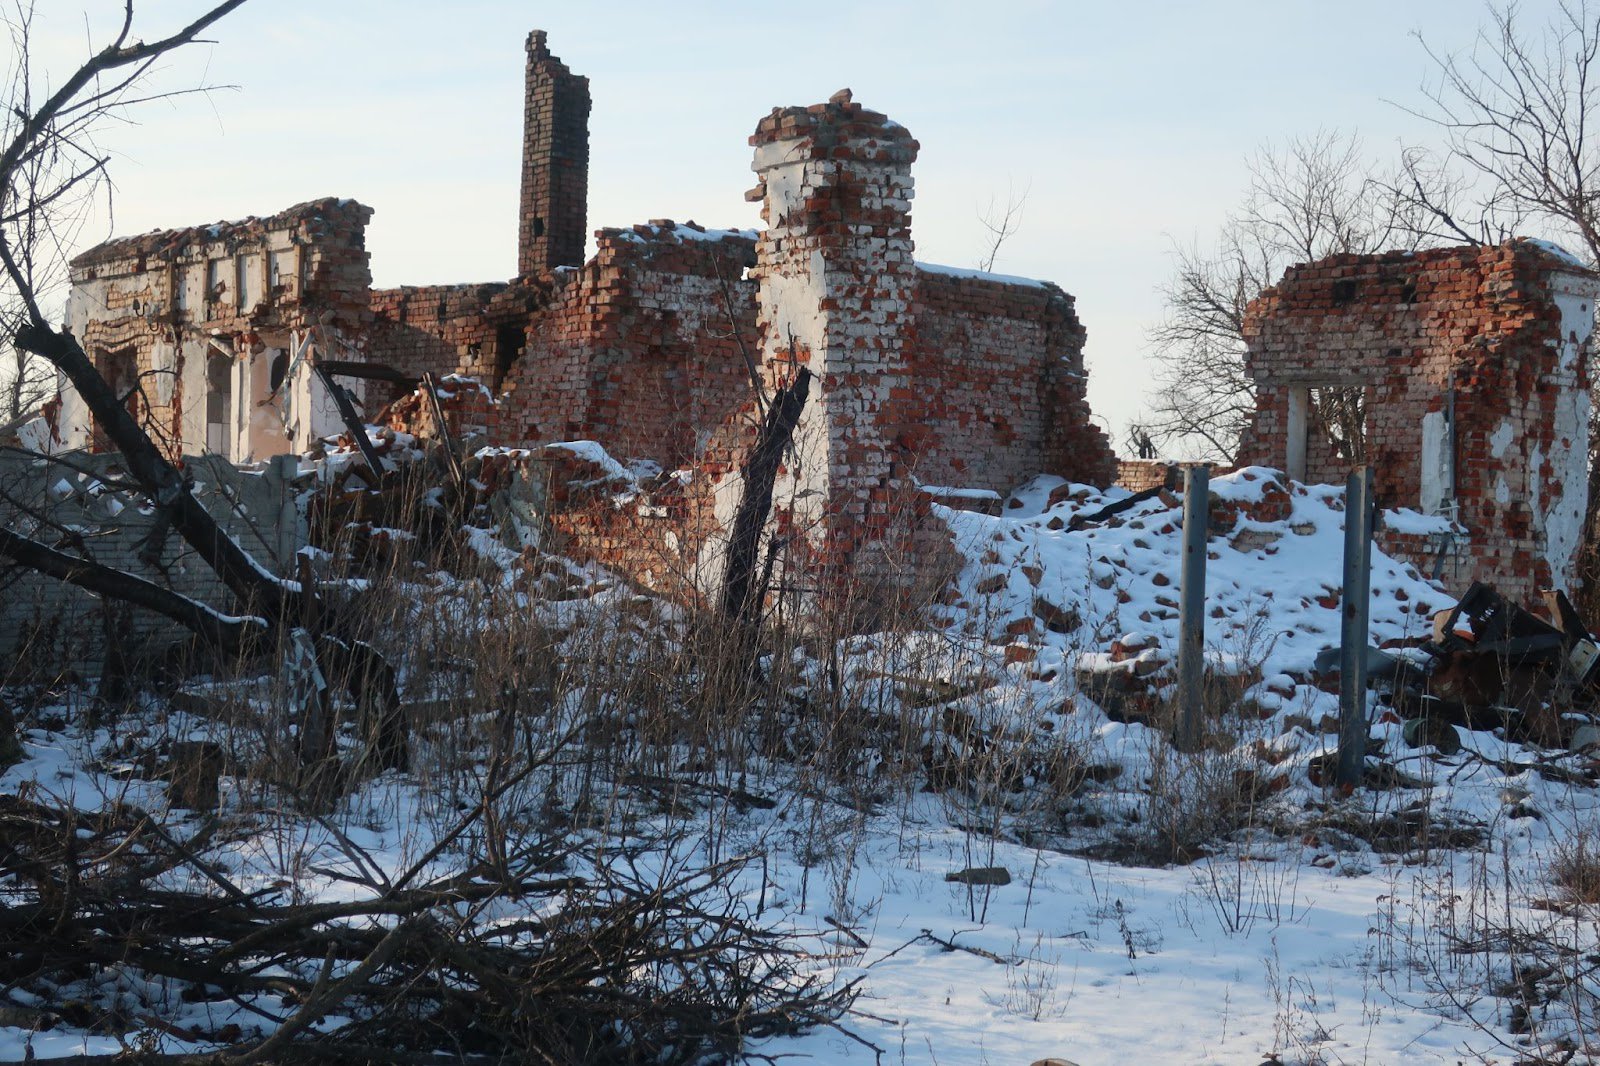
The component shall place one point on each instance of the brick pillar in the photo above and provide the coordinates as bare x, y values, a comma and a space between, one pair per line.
836, 276
555, 164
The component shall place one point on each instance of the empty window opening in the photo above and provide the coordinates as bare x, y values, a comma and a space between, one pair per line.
219, 403
1294, 462
1344, 291
249, 286
121, 371
509, 340
217, 281
279, 371
1341, 413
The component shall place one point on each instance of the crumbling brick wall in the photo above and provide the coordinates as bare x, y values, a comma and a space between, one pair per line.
174, 317
1468, 367
1140, 475
836, 277
998, 364
430, 328
646, 348
474, 330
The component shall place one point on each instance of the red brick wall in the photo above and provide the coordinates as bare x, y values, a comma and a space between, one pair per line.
555, 164
429, 329
1000, 367
1405, 328
146, 307
477, 330
837, 277
1138, 475
640, 349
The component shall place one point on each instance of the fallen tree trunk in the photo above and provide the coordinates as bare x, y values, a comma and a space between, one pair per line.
48, 154
259, 591
601, 965
741, 597
225, 632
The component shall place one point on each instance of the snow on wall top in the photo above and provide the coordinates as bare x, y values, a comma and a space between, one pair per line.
981, 275
165, 244
668, 230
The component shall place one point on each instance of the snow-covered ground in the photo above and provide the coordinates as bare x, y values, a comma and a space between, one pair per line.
1311, 946
1315, 927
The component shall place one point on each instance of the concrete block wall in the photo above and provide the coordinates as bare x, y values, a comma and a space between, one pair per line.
260, 509
1494, 334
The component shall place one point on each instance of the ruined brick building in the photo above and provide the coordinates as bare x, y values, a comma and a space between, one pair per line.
1460, 375
662, 347
658, 345
207, 330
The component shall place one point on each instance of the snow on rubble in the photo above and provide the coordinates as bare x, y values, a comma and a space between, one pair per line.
1273, 574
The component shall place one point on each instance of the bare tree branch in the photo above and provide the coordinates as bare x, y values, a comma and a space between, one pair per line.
1309, 197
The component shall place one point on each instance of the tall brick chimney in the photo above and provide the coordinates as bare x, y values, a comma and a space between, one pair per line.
836, 281
555, 164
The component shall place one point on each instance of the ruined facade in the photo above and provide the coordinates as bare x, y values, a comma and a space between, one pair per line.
208, 331
1459, 374
663, 347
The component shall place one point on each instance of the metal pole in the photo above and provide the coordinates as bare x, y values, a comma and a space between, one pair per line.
1192, 608
1353, 727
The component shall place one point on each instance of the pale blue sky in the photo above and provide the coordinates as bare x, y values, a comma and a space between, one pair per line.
1127, 124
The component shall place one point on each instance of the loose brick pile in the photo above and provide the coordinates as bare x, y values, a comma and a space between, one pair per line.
1406, 328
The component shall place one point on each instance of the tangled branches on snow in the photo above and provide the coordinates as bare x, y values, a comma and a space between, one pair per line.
511, 963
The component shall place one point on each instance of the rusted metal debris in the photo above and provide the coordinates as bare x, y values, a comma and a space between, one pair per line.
1494, 664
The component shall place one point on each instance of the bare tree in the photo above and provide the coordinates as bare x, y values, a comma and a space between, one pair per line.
1001, 224
1309, 198
1515, 110
39, 238
47, 163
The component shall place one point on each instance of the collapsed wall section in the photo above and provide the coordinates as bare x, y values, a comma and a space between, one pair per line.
474, 330
648, 348
1459, 374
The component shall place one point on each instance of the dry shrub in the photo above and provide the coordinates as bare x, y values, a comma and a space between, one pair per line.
1576, 868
